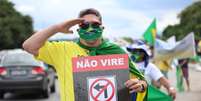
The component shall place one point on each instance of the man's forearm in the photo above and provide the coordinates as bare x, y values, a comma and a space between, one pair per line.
171, 90
36, 41
165, 82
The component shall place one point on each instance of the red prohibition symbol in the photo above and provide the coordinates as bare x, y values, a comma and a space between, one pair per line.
102, 89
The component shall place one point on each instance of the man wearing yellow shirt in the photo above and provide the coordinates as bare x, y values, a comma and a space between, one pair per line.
91, 43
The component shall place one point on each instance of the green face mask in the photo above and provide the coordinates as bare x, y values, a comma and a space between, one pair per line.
136, 57
90, 33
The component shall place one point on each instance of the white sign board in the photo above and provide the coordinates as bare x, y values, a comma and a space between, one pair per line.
181, 49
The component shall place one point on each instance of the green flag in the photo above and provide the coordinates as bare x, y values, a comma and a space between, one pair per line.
179, 75
155, 94
150, 34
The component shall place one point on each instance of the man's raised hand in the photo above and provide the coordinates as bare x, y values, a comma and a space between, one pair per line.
65, 26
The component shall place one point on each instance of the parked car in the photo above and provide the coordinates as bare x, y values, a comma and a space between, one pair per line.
21, 72
2, 53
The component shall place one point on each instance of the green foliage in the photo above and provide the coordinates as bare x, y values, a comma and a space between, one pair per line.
14, 27
190, 21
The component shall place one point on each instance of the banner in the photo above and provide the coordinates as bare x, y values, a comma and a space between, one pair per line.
181, 49
101, 78
172, 41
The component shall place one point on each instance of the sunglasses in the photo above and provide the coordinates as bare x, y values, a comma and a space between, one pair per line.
86, 25
138, 52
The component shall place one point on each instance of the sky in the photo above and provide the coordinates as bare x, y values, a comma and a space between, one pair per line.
120, 17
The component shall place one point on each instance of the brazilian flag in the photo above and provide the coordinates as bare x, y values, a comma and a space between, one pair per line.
150, 34
179, 75
155, 94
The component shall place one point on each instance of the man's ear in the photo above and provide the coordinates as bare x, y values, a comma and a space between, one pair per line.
102, 27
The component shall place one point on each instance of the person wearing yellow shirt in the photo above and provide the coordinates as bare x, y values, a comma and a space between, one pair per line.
199, 44
91, 43
199, 47
164, 66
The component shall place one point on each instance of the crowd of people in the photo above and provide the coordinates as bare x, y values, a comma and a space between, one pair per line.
91, 43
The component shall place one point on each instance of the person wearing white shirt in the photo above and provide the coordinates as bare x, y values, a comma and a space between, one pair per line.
140, 54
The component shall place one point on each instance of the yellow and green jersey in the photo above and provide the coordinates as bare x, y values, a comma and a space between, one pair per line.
60, 54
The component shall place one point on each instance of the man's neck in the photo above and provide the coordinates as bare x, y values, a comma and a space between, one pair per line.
95, 43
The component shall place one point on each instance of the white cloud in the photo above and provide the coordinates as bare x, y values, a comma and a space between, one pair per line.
26, 9
119, 21
168, 18
135, 25
196, 0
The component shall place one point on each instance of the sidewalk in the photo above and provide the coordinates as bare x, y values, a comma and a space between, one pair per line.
195, 82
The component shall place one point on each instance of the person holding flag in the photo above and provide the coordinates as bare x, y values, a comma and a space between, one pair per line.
183, 64
91, 43
140, 54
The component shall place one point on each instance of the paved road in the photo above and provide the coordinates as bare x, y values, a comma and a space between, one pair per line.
193, 95
31, 97
195, 82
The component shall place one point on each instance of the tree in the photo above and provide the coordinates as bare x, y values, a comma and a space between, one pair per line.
14, 27
190, 21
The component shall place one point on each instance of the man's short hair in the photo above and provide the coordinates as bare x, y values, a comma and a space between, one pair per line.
90, 11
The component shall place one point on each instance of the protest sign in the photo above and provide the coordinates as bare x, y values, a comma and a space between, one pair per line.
101, 78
